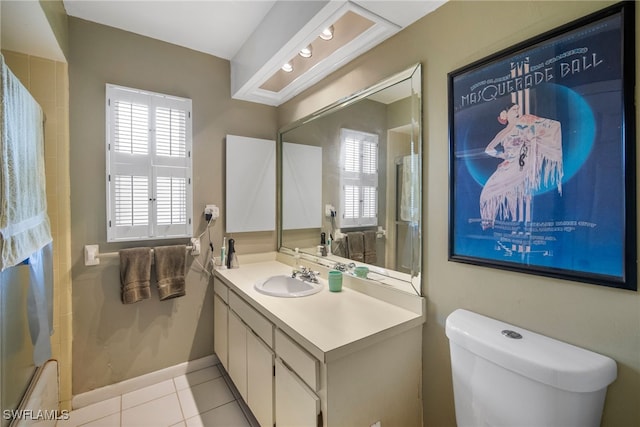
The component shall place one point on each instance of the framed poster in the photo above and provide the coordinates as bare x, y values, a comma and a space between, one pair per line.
542, 154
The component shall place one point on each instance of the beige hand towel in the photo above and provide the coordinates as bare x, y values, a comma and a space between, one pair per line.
370, 256
339, 248
355, 245
170, 265
135, 274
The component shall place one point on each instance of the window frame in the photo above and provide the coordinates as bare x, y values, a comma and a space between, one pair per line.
151, 165
360, 179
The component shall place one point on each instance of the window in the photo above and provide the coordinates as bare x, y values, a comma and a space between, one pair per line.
148, 165
359, 179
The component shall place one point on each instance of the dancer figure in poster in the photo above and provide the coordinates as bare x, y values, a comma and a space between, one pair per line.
531, 147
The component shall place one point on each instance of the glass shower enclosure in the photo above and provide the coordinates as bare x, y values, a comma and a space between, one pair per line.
16, 350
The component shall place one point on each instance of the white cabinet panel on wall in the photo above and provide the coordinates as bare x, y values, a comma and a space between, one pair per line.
251, 184
301, 186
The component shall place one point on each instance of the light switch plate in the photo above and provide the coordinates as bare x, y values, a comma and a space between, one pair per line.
91, 255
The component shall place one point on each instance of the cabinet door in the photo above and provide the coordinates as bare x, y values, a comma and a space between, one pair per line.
260, 379
238, 353
220, 336
296, 404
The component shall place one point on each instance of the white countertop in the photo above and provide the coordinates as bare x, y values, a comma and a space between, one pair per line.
328, 324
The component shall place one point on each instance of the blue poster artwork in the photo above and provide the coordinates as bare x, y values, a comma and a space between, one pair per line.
538, 158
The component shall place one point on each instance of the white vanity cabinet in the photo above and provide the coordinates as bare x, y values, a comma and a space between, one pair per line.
297, 384
260, 379
221, 322
245, 340
251, 369
296, 404
329, 360
238, 353
250, 356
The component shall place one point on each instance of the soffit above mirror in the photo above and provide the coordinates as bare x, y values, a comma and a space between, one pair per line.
358, 26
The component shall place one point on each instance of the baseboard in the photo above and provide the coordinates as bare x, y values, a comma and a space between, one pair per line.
132, 384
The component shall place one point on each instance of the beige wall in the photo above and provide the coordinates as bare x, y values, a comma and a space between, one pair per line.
112, 341
48, 82
598, 318
58, 21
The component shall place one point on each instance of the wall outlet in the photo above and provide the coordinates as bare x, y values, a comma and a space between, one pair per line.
212, 210
376, 424
195, 246
329, 211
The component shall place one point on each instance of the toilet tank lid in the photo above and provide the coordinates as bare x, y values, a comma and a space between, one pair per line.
535, 356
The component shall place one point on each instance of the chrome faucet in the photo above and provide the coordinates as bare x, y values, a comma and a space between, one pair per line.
345, 268
305, 274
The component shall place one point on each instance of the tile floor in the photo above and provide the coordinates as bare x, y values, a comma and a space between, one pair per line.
204, 398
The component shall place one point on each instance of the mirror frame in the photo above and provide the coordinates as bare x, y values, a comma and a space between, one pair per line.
415, 71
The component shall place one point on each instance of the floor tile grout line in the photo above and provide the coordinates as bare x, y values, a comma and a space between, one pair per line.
215, 407
237, 397
90, 420
179, 401
148, 401
99, 418
222, 375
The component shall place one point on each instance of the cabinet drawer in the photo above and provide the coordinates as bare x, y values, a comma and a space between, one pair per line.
256, 321
305, 365
221, 290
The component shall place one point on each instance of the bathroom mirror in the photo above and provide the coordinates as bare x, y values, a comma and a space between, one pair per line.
352, 171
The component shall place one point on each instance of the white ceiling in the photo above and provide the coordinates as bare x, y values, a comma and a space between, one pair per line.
216, 27
222, 28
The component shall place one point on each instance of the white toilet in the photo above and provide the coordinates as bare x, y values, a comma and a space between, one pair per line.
507, 376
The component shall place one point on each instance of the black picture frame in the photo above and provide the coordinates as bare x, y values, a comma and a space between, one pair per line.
542, 154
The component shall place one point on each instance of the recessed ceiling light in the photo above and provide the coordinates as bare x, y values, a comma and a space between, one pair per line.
348, 29
305, 52
287, 67
327, 33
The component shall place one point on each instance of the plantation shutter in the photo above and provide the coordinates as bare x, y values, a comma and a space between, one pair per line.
359, 179
149, 189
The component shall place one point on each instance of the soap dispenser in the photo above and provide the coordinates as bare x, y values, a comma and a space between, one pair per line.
232, 258
323, 244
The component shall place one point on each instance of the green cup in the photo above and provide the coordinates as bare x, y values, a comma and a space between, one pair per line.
361, 271
335, 281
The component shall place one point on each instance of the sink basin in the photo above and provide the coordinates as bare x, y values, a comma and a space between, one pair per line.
287, 287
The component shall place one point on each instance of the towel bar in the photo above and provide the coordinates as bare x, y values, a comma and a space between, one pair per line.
380, 233
92, 254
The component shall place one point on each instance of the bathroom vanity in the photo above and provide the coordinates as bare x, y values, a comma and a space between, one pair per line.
328, 359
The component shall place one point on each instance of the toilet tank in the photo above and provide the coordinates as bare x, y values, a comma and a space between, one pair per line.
504, 375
